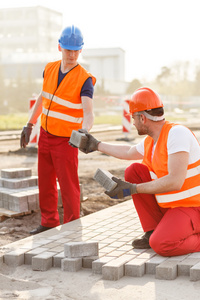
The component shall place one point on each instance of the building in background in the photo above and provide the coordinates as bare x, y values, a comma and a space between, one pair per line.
29, 40
108, 65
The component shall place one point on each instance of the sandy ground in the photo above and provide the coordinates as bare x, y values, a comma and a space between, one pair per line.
11, 156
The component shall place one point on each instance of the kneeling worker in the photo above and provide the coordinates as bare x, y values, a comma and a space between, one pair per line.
165, 187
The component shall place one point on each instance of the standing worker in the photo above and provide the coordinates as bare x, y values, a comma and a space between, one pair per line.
65, 104
165, 187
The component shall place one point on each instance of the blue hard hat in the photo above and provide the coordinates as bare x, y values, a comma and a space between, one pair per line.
71, 38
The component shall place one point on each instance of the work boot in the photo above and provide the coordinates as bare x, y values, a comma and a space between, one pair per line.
39, 229
143, 242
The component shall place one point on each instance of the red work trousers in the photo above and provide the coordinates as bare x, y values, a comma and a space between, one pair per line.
176, 230
57, 160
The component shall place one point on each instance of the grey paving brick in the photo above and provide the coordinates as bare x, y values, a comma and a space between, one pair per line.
78, 139
14, 258
20, 183
167, 270
16, 172
87, 261
135, 267
194, 255
57, 259
114, 269
18, 202
98, 264
153, 262
1, 261
29, 255
33, 203
104, 178
185, 265
57, 249
43, 261
195, 272
81, 249
71, 264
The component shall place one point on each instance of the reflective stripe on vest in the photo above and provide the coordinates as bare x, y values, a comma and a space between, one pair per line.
61, 101
178, 196
192, 172
61, 116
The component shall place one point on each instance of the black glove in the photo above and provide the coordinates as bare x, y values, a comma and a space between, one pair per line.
91, 145
25, 135
122, 190
83, 130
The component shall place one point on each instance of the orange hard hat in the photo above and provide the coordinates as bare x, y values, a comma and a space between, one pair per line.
144, 99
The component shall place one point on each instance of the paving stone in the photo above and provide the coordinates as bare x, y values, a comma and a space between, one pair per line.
195, 272
153, 262
43, 261
87, 261
57, 259
33, 203
135, 267
14, 258
16, 172
194, 255
29, 255
104, 178
1, 261
78, 139
57, 249
81, 249
98, 264
20, 183
185, 265
18, 202
167, 270
71, 264
114, 269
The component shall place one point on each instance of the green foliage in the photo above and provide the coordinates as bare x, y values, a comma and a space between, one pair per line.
134, 85
17, 121
108, 119
13, 121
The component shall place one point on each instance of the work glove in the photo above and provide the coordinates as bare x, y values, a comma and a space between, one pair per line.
122, 190
91, 145
83, 131
25, 135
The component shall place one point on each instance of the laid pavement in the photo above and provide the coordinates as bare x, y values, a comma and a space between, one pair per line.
33, 268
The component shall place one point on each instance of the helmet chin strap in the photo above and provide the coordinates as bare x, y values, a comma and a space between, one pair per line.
153, 118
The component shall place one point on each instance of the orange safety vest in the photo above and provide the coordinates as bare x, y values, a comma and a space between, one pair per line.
62, 107
189, 194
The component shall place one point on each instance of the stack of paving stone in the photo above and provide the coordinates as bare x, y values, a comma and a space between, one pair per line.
18, 192
78, 255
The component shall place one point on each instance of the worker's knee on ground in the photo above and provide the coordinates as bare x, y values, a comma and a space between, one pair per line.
161, 247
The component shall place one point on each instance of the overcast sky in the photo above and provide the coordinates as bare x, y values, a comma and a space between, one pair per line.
153, 33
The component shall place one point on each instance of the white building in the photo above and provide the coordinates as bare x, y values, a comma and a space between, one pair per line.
29, 39
108, 65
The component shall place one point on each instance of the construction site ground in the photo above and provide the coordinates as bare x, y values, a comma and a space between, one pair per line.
11, 156
23, 283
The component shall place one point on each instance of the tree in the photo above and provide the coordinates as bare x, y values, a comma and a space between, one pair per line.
134, 85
